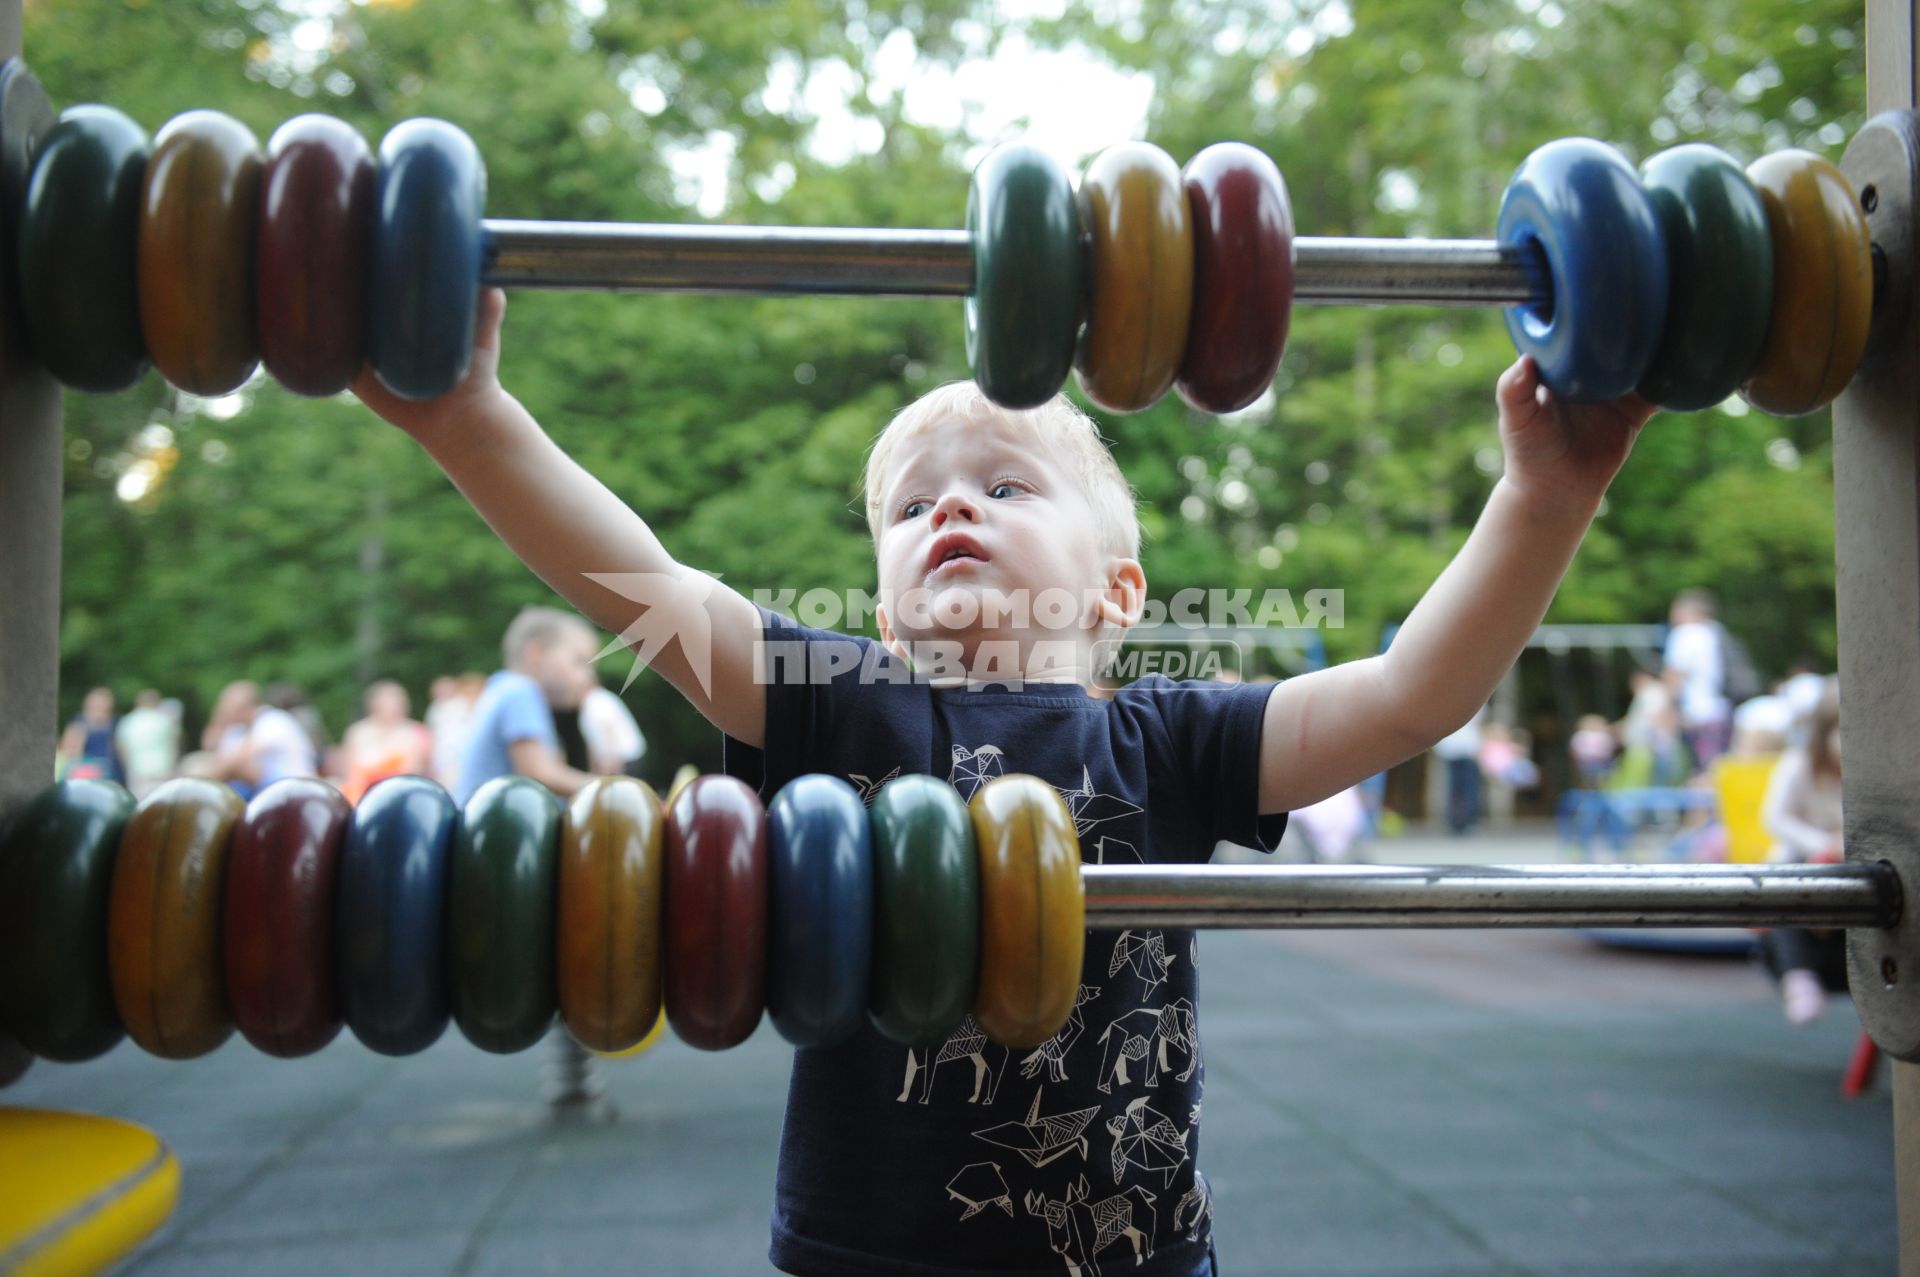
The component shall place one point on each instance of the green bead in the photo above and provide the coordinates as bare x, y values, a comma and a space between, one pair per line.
1720, 260
56, 877
501, 901
1029, 276
926, 927
78, 235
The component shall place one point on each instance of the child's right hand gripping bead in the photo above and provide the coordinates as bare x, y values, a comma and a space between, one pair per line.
476, 394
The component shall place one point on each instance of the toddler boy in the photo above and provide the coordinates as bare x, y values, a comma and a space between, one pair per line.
1007, 555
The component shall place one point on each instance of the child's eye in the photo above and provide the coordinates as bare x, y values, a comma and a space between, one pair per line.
1002, 490
914, 509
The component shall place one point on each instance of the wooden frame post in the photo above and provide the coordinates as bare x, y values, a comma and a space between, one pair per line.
29, 513
1876, 476
29, 539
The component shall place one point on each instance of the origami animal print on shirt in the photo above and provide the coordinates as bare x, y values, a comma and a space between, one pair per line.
968, 1042
1147, 1140
973, 768
870, 789
1089, 808
1146, 953
978, 1186
1078, 1229
1042, 1139
1145, 1036
1053, 1052
1198, 1203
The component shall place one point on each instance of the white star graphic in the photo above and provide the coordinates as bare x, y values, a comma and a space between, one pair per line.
671, 607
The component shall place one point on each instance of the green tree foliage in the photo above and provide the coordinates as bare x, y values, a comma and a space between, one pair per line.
275, 537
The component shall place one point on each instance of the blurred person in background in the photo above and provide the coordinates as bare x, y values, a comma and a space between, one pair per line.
253, 743
387, 742
1506, 757
1802, 813
223, 741
290, 699
1802, 690
149, 740
285, 738
87, 748
1460, 751
548, 656
615, 743
449, 719
1761, 724
1592, 748
1695, 669
1651, 750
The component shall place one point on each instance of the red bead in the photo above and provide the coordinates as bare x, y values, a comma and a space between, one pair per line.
1242, 277
277, 919
316, 225
715, 956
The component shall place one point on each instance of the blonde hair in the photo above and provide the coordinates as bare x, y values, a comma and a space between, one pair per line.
1066, 432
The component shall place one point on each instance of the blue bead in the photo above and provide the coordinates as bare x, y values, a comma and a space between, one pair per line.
1580, 206
424, 296
820, 942
389, 915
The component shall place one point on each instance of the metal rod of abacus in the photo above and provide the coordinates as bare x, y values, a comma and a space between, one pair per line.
1381, 896
639, 257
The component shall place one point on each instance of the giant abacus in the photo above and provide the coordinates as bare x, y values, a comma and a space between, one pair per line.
204, 255
1789, 282
192, 914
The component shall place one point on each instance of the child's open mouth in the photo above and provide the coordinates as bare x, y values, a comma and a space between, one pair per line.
953, 551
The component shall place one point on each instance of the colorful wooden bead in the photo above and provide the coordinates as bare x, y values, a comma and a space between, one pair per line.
314, 250
926, 928
716, 925
424, 295
1033, 911
1720, 265
1140, 224
1029, 276
500, 919
820, 953
1580, 207
611, 885
278, 926
163, 918
79, 232
197, 215
1242, 277
1822, 285
390, 912
56, 877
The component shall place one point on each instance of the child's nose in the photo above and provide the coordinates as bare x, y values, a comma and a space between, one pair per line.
955, 505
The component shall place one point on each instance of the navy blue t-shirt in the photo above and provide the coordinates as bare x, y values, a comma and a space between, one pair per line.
968, 1157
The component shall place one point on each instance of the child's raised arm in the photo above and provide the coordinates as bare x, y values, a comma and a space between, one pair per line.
1335, 727
575, 535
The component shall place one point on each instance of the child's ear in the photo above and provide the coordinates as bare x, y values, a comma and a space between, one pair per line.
1125, 597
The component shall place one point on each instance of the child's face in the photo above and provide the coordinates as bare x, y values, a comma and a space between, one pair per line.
980, 508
